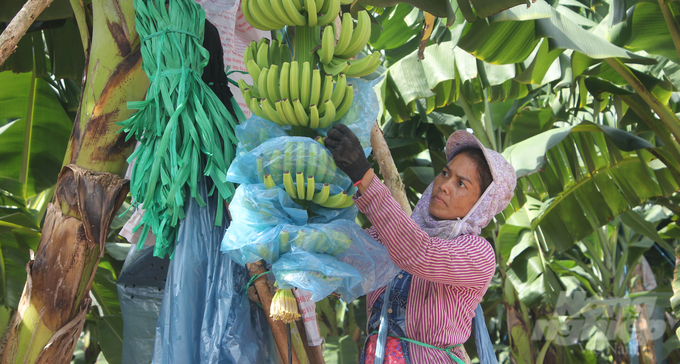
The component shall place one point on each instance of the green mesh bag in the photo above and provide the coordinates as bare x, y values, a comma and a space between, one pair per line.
183, 128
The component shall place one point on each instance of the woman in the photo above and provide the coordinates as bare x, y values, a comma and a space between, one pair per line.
446, 266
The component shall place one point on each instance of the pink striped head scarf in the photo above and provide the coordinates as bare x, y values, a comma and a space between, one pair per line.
494, 200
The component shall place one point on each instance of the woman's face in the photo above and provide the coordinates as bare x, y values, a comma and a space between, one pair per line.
456, 189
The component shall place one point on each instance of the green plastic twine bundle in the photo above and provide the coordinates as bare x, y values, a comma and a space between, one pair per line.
181, 125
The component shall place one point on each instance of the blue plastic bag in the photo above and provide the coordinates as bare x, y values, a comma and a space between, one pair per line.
206, 316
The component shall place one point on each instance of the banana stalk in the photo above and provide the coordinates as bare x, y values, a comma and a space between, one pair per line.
89, 191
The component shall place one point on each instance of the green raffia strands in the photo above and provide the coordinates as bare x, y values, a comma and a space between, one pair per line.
181, 125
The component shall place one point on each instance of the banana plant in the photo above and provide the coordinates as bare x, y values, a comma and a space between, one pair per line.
88, 192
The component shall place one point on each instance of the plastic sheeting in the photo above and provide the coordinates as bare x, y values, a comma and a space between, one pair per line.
140, 291
206, 316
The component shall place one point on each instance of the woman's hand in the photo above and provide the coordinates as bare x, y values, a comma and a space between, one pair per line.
347, 152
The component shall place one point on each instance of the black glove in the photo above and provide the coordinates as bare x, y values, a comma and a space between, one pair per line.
347, 152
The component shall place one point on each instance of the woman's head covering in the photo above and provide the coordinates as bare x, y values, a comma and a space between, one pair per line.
494, 200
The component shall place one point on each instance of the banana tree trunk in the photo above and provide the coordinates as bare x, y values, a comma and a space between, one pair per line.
89, 191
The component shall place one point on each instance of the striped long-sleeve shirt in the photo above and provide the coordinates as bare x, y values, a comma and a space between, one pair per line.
449, 276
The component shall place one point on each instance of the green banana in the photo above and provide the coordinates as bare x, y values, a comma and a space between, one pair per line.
290, 113
305, 82
251, 18
288, 152
321, 168
329, 116
346, 102
348, 202
284, 79
271, 18
330, 9
293, 12
360, 36
285, 53
345, 33
311, 13
260, 169
364, 66
277, 6
315, 90
339, 91
262, 55
273, 52
254, 106
273, 83
327, 45
323, 8
271, 112
326, 93
310, 188
312, 160
313, 117
336, 66
282, 114
320, 140
262, 85
321, 197
300, 162
300, 181
275, 165
242, 85
250, 52
288, 184
294, 84
284, 241
253, 69
300, 113
269, 181
298, 7
335, 200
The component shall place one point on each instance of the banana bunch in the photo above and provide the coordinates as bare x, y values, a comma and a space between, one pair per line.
308, 167
335, 56
276, 14
294, 94
313, 240
284, 306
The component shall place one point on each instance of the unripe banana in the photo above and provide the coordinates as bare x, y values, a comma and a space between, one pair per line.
345, 33
284, 241
311, 12
277, 7
312, 160
275, 53
247, 95
290, 113
269, 181
335, 200
253, 70
321, 197
300, 162
300, 181
285, 53
284, 79
336, 66
322, 8
272, 18
319, 5
339, 91
288, 185
320, 140
288, 151
254, 106
300, 113
329, 116
360, 36
250, 52
346, 103
305, 81
294, 84
313, 117
250, 18
242, 85
310, 188
293, 12
348, 202
327, 45
276, 165
315, 90
321, 167
331, 9
262, 85
273, 83
282, 114
364, 66
263, 56
260, 168
326, 92
271, 112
